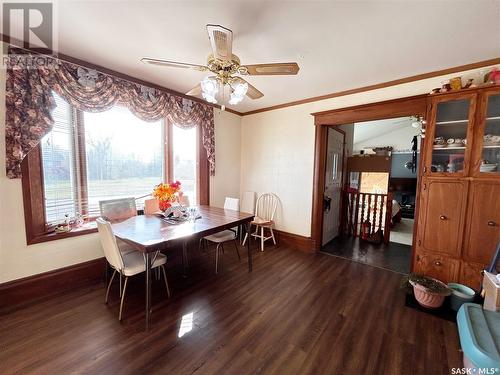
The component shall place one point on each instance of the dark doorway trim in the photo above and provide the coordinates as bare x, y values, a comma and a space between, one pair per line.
409, 106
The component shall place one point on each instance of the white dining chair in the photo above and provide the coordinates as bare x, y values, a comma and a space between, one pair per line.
118, 209
128, 264
225, 236
115, 210
265, 209
248, 202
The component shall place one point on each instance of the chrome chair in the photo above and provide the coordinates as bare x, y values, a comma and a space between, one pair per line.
118, 209
225, 236
128, 264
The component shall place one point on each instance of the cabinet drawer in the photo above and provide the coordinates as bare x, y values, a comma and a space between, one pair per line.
440, 267
470, 274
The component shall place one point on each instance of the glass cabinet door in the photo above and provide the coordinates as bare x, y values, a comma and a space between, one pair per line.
450, 136
490, 153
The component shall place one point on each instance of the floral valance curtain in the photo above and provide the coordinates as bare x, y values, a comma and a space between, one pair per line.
29, 103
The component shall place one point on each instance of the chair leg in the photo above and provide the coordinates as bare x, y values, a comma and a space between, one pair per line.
272, 235
123, 298
120, 284
261, 238
217, 257
237, 250
109, 286
166, 281
245, 239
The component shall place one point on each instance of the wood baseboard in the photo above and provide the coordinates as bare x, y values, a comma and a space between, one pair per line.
295, 241
30, 289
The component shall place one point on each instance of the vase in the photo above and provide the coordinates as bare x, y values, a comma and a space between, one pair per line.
426, 298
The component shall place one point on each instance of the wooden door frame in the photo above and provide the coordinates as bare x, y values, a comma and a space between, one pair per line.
403, 107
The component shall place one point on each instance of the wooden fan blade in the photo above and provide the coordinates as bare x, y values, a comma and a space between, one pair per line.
221, 40
195, 91
173, 64
270, 69
252, 92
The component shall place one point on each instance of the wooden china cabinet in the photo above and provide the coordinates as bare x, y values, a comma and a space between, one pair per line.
459, 211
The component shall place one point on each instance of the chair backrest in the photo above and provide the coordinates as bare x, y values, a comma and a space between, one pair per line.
118, 209
232, 204
151, 206
109, 245
266, 206
248, 202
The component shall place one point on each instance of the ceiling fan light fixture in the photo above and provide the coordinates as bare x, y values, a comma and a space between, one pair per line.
209, 98
209, 88
240, 89
235, 99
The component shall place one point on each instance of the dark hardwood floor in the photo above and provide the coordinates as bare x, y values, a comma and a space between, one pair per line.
297, 313
393, 256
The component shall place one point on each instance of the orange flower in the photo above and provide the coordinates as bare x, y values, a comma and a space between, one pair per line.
167, 192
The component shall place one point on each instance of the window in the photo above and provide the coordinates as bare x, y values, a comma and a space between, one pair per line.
124, 156
374, 182
184, 157
89, 157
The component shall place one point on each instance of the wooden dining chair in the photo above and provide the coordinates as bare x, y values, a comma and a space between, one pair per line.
225, 236
265, 209
128, 264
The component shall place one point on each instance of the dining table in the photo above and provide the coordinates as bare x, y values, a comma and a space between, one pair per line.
150, 234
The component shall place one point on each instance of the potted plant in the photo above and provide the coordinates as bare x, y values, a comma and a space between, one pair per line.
429, 292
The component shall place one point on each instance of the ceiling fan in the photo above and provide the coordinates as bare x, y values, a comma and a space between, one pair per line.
227, 67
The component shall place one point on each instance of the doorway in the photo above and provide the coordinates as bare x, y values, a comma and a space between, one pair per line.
355, 248
376, 219
334, 177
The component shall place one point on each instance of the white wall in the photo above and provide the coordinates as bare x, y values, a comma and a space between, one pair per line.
18, 260
226, 182
278, 149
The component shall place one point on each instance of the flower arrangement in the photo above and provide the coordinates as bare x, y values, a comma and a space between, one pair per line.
167, 194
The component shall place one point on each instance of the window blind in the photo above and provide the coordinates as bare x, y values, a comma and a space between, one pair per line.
58, 158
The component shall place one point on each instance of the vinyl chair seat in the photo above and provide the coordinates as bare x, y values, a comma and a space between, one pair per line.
133, 263
225, 235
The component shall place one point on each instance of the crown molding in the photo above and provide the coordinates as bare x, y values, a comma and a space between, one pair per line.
418, 77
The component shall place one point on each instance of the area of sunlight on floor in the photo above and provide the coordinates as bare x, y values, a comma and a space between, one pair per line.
186, 324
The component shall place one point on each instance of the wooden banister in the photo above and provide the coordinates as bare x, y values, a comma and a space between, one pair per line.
374, 207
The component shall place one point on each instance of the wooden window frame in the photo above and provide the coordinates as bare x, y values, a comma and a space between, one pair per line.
33, 188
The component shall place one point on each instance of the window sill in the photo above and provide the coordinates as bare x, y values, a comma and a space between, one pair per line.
87, 228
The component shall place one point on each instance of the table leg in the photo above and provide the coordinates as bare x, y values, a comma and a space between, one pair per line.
249, 253
148, 289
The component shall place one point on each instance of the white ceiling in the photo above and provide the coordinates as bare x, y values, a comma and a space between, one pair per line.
369, 130
339, 45
397, 133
